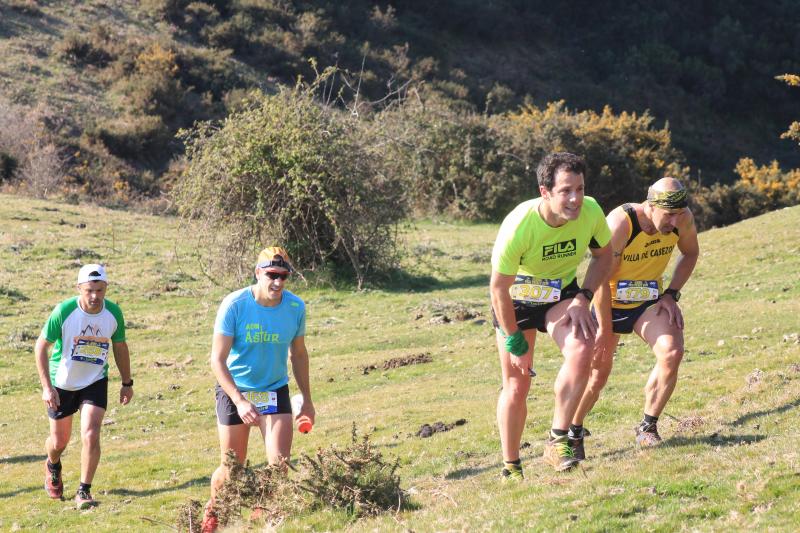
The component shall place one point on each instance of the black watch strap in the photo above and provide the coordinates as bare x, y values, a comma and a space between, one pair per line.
676, 294
128, 384
587, 292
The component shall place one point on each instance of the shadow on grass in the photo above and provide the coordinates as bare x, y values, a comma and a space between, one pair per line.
675, 442
756, 414
463, 473
203, 481
22, 459
21, 490
400, 281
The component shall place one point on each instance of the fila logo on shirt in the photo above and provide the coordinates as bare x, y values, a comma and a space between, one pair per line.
558, 250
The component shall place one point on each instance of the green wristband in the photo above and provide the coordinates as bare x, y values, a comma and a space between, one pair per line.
516, 344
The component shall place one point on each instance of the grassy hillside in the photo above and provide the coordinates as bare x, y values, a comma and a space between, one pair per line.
729, 461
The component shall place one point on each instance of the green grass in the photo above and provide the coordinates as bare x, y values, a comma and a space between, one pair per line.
729, 461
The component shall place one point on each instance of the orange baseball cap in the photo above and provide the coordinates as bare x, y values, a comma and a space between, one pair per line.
274, 256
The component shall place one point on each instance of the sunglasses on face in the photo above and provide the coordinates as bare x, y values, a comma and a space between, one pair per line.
276, 275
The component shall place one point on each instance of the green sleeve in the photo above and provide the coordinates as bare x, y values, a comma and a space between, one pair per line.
512, 242
119, 333
52, 329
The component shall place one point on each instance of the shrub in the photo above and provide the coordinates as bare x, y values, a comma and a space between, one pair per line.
8, 165
154, 88
143, 137
624, 153
287, 170
758, 190
29, 156
356, 478
449, 159
80, 49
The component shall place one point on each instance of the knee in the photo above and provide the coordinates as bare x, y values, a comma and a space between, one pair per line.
670, 357
580, 356
91, 438
599, 378
517, 390
59, 442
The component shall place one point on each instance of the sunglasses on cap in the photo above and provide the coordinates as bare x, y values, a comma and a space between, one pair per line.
277, 261
276, 275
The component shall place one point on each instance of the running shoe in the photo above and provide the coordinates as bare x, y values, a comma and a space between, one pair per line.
210, 522
512, 473
559, 454
52, 482
647, 436
576, 443
84, 500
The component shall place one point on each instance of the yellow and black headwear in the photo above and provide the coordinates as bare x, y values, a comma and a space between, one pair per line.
668, 199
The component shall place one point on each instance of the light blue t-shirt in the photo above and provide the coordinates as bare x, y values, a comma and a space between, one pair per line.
261, 338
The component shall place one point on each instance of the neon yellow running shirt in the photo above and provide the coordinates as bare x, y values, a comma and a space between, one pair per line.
528, 246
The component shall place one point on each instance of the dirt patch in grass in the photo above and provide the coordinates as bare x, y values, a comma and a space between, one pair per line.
443, 312
397, 362
754, 378
690, 424
427, 430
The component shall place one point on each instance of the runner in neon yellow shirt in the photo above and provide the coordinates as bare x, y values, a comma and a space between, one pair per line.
533, 287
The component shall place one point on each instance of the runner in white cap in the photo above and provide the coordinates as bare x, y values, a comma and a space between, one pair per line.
82, 330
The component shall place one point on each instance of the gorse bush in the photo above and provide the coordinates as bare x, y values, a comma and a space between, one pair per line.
449, 159
758, 190
286, 170
355, 478
460, 163
624, 153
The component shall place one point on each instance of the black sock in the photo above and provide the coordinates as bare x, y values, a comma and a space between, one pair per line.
54, 467
85, 487
517, 462
555, 433
575, 432
648, 422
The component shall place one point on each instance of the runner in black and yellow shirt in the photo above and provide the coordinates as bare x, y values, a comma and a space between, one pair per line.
534, 287
643, 238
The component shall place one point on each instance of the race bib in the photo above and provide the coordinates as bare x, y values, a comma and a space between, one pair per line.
535, 291
90, 350
633, 291
266, 402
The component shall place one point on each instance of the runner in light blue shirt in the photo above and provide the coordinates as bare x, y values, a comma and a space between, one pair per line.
257, 330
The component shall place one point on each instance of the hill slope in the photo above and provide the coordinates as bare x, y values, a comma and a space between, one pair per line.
708, 69
729, 461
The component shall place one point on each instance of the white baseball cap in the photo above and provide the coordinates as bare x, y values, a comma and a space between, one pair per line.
92, 272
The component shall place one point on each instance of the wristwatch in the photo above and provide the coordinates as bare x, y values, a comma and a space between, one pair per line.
128, 384
588, 293
676, 294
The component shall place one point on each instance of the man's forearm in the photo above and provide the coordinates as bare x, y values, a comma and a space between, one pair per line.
42, 363
683, 270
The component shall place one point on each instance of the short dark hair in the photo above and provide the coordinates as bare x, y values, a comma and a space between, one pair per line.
552, 163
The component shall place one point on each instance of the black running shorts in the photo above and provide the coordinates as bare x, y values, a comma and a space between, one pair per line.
623, 320
71, 400
227, 415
